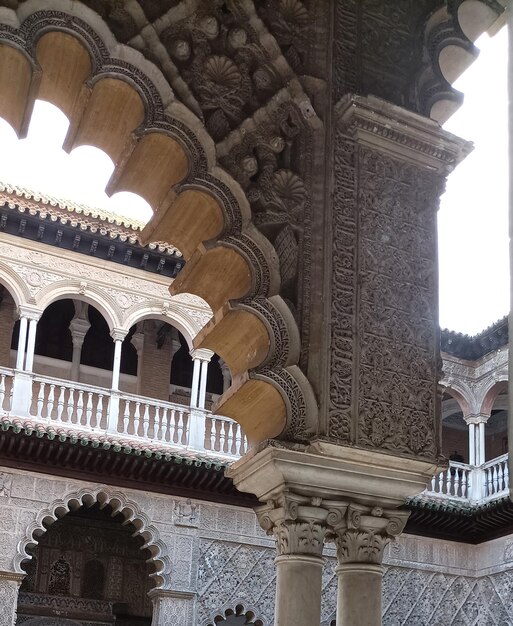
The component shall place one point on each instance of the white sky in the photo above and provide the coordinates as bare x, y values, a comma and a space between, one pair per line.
473, 231
473, 218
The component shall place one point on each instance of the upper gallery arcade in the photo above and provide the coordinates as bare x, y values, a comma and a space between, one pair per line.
292, 151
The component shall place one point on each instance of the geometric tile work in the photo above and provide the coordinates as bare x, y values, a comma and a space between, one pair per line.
419, 598
231, 574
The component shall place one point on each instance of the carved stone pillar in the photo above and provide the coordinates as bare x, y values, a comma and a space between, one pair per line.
360, 545
172, 608
79, 327
9, 585
299, 527
320, 491
138, 342
476, 438
390, 170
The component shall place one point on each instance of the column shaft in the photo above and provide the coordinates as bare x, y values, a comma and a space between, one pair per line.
22, 341
75, 360
359, 594
482, 443
117, 363
298, 590
195, 382
203, 385
31, 345
472, 444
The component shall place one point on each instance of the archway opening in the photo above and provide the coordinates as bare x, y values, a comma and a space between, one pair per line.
455, 440
496, 429
237, 617
89, 566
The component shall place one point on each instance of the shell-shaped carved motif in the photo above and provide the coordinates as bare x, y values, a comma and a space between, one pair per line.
294, 11
289, 187
222, 71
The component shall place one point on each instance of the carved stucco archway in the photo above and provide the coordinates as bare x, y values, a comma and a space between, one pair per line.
118, 101
238, 609
105, 496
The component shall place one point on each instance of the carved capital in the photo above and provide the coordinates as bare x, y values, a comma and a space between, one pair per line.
367, 533
299, 524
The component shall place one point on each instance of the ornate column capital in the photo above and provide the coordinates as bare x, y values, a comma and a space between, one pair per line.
29, 312
299, 524
203, 354
367, 532
479, 418
118, 334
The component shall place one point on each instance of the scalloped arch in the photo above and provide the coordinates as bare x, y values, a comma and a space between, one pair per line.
447, 50
119, 101
104, 496
237, 609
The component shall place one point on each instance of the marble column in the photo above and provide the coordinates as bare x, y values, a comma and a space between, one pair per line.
138, 342
78, 328
172, 608
22, 342
31, 344
476, 438
299, 527
9, 585
322, 491
201, 358
360, 546
118, 336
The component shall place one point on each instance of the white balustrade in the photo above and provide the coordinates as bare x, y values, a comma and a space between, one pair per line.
225, 436
454, 482
475, 485
85, 408
496, 478
155, 420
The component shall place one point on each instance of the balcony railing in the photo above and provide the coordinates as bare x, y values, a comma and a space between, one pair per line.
80, 409
472, 484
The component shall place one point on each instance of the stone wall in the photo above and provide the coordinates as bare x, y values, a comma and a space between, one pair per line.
215, 557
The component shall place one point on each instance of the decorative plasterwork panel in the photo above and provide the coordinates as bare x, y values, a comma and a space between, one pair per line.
127, 297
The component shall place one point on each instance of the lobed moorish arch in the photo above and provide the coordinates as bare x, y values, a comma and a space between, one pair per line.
446, 49
105, 497
238, 610
118, 101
